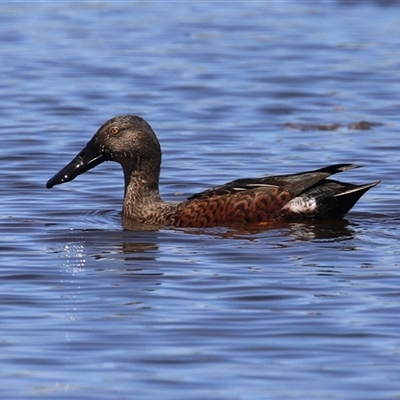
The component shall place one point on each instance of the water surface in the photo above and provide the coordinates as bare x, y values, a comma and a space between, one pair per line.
233, 90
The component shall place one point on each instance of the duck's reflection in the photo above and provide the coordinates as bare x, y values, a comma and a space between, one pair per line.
141, 247
335, 230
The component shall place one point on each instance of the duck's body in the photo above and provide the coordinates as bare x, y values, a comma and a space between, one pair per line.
130, 141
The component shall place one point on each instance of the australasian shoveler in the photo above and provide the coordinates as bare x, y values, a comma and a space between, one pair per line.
130, 141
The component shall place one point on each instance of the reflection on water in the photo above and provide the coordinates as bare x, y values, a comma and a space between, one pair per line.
90, 310
335, 230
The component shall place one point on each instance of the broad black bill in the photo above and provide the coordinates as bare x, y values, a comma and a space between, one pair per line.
87, 159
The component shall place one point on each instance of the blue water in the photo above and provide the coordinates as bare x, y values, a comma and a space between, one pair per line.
233, 90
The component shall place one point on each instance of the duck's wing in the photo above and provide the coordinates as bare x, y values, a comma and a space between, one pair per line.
267, 199
293, 183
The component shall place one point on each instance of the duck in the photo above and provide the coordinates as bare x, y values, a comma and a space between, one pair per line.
130, 141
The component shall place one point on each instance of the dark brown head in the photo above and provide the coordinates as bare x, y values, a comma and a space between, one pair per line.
126, 139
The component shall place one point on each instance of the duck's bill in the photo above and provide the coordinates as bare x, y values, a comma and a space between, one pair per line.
87, 159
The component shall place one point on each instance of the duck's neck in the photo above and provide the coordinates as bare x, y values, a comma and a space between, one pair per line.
142, 200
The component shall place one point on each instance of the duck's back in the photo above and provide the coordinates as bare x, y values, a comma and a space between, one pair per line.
268, 199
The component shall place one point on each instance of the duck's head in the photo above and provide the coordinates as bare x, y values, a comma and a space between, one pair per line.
126, 139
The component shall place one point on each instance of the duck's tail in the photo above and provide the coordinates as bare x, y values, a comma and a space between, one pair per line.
346, 199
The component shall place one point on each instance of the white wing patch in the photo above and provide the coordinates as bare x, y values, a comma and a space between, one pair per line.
301, 205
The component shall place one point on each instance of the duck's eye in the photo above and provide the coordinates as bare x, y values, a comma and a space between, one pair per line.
114, 130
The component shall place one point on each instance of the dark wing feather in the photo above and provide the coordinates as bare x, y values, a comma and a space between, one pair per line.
293, 183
